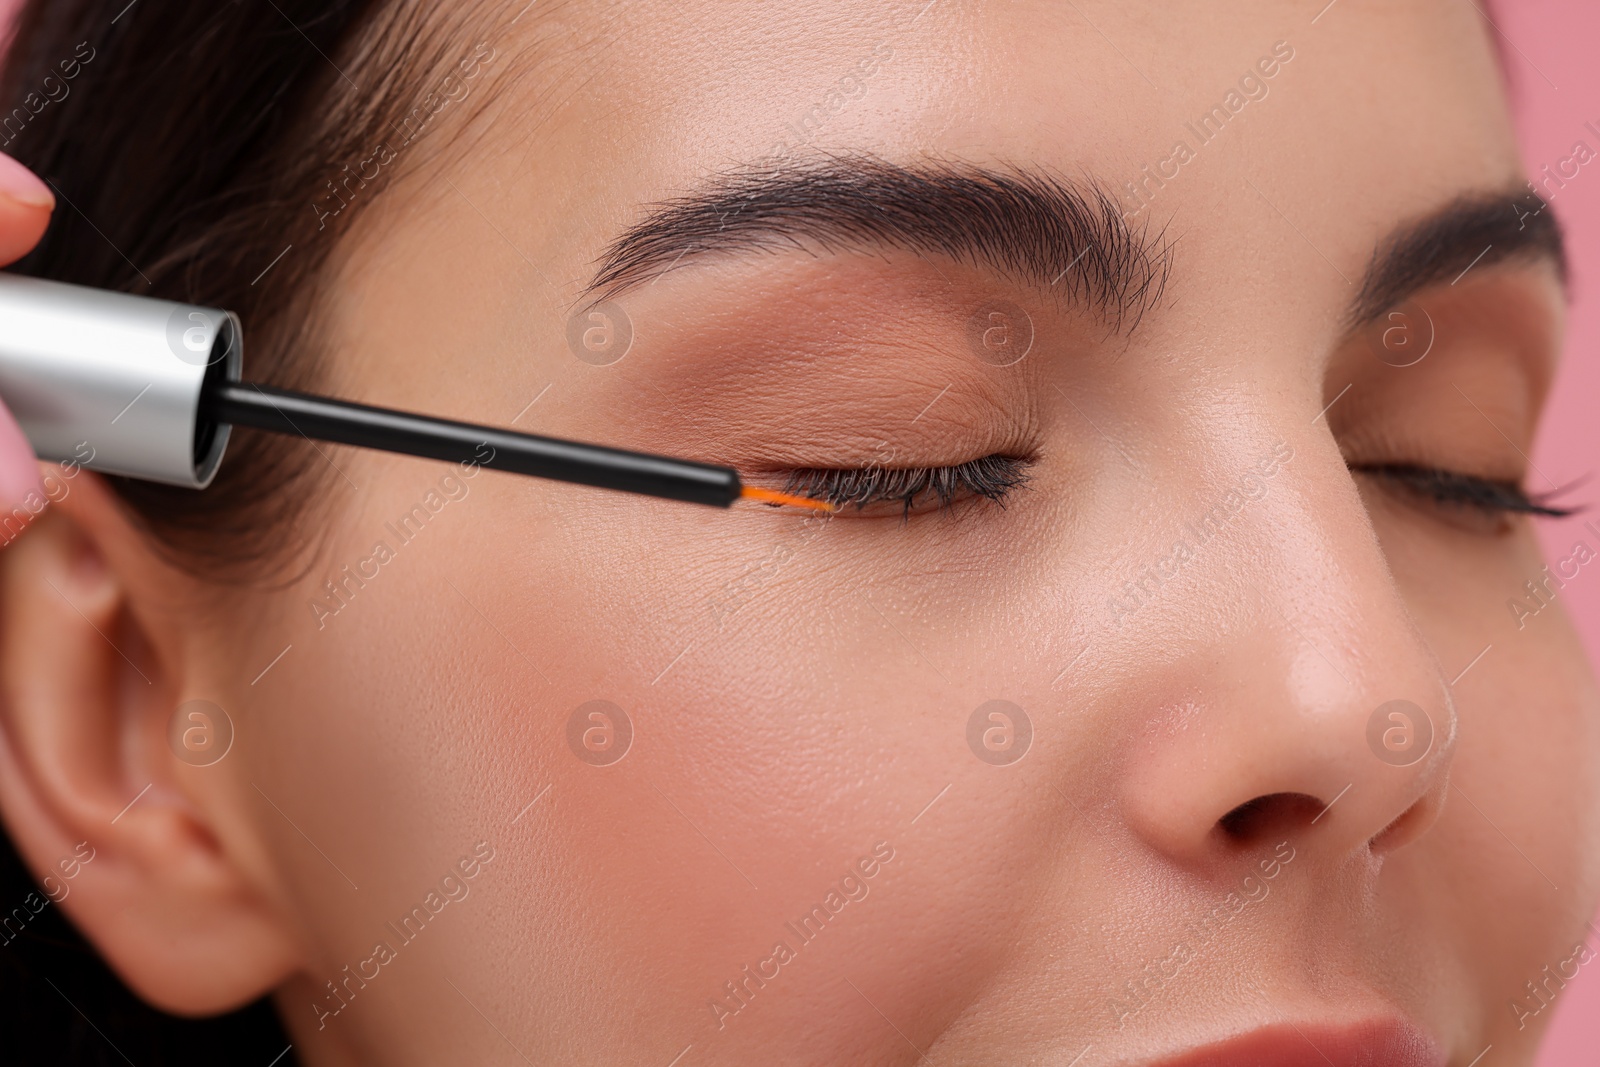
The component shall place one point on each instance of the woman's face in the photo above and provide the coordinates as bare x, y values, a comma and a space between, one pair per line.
1103, 771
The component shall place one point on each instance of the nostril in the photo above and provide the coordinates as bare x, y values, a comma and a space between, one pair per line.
1269, 816
1411, 824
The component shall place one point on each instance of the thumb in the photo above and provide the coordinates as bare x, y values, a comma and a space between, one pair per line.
25, 207
21, 490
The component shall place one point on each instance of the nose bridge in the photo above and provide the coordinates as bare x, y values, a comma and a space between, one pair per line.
1310, 704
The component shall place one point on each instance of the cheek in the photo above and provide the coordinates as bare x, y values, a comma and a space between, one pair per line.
776, 728
1523, 820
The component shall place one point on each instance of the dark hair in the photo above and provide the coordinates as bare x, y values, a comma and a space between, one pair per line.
63, 1007
190, 142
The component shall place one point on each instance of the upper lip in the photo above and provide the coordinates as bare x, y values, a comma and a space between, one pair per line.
1375, 1043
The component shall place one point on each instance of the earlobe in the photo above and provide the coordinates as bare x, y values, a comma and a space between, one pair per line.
92, 663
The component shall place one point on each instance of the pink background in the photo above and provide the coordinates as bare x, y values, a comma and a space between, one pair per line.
1551, 50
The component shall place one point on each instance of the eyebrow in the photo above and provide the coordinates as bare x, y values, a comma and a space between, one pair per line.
1470, 232
1061, 237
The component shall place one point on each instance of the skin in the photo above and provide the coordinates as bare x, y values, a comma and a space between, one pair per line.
786, 724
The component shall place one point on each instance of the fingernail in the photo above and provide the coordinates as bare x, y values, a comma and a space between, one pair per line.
23, 185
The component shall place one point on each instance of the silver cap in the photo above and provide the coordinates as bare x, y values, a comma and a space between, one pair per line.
113, 381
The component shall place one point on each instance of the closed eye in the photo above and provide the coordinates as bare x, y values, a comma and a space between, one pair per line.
912, 490
1443, 488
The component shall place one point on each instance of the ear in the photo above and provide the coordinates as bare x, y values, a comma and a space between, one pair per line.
98, 641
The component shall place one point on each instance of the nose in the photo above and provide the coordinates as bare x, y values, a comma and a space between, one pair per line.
1297, 700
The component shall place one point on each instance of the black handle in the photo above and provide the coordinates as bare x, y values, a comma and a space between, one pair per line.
284, 411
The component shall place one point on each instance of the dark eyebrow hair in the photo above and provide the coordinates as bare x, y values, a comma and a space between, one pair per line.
1026, 224
1468, 233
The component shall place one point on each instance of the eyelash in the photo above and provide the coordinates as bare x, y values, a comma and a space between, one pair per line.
989, 477
1448, 488
995, 477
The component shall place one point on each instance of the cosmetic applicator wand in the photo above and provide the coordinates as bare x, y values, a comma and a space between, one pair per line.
323, 419
151, 389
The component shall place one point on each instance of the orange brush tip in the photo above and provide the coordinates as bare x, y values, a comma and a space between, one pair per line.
770, 496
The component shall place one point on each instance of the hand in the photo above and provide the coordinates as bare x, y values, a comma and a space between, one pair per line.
25, 207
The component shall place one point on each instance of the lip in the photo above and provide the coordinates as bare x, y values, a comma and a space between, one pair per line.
1376, 1043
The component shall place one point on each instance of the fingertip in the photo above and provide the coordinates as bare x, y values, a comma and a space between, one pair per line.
26, 204
23, 186
20, 484
21, 226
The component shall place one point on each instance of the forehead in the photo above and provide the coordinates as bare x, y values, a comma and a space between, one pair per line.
1077, 83
1322, 128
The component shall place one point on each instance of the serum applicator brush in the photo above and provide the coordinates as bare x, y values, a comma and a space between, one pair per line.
153, 389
